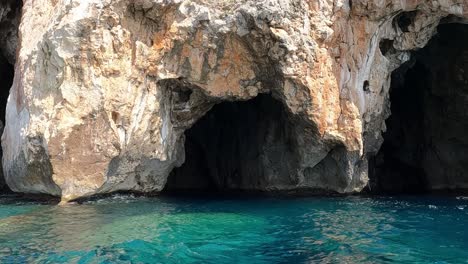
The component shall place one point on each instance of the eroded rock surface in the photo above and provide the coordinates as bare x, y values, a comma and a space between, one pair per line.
104, 90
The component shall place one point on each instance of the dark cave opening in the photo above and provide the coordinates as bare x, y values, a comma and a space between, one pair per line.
6, 76
236, 146
7, 72
10, 14
426, 145
404, 20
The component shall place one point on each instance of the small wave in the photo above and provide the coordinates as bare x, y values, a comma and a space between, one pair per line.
119, 198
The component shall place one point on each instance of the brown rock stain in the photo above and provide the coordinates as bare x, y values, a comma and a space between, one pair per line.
80, 159
235, 65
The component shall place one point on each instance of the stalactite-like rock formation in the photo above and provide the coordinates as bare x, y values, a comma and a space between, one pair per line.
290, 95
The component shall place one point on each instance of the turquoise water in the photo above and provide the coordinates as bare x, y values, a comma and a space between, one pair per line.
126, 229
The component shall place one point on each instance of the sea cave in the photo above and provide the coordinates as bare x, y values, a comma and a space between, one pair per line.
241, 145
425, 146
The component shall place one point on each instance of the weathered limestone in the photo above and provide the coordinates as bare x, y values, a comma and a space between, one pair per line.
104, 90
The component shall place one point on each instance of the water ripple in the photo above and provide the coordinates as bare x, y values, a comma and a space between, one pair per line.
128, 229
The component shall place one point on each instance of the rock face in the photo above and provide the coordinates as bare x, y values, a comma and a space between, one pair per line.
106, 93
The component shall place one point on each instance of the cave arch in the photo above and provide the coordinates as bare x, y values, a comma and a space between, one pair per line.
238, 146
426, 145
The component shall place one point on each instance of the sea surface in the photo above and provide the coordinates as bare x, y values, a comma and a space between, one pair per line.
128, 229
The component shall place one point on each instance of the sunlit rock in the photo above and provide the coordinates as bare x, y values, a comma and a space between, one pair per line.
105, 90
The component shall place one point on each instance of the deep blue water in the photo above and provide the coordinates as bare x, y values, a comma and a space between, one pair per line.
125, 229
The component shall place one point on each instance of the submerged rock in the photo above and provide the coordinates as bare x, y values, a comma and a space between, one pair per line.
105, 90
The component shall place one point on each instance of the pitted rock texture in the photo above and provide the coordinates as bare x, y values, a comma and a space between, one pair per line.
104, 90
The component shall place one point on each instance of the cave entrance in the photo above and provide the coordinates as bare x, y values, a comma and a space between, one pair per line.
7, 72
10, 13
6, 76
242, 145
426, 143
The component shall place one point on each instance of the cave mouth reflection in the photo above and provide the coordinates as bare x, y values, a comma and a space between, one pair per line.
426, 143
236, 146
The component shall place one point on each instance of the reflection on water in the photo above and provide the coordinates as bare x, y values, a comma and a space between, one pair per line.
148, 230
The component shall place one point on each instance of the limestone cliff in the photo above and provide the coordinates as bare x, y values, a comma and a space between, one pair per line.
104, 90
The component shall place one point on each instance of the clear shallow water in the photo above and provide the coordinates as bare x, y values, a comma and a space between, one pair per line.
124, 229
